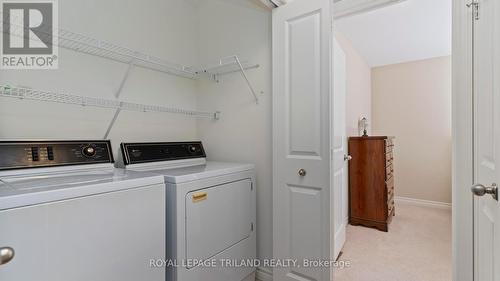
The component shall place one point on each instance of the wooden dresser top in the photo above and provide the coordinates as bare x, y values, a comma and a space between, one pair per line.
372, 138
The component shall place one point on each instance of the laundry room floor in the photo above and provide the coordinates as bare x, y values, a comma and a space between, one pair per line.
416, 248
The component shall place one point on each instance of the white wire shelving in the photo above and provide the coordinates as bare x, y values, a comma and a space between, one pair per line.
228, 65
88, 45
38, 95
92, 46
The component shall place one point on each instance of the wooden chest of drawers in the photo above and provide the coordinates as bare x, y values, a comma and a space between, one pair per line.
371, 181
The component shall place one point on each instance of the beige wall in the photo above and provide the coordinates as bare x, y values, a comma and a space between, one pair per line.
412, 101
358, 99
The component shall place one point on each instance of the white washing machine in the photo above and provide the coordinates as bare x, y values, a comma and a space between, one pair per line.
67, 214
211, 211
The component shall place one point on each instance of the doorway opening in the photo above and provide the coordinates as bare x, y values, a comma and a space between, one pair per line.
398, 79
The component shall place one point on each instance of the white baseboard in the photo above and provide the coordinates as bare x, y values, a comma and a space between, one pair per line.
424, 203
263, 274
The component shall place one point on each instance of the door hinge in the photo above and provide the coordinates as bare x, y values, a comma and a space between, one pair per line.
251, 186
251, 226
475, 9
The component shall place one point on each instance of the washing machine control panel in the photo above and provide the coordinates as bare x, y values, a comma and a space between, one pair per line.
134, 153
31, 154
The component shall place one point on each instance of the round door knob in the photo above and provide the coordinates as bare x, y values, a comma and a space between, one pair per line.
6, 255
302, 172
481, 190
347, 157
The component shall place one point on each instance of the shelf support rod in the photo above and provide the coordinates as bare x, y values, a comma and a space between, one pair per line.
117, 96
243, 73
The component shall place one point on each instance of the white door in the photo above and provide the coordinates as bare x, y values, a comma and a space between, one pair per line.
487, 140
302, 209
339, 141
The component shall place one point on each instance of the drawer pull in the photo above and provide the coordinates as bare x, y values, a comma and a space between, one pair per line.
198, 197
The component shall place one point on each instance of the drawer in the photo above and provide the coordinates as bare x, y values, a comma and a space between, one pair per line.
389, 170
389, 158
390, 207
390, 183
390, 190
389, 146
388, 149
389, 142
390, 195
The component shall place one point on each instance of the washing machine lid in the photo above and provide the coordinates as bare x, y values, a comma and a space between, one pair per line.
18, 190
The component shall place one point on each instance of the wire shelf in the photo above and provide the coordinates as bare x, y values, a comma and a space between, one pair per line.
100, 48
88, 45
223, 68
31, 94
92, 46
229, 65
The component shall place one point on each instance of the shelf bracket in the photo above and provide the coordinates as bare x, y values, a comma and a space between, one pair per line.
117, 96
244, 74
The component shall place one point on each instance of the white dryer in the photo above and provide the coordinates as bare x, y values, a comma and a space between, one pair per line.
67, 214
211, 211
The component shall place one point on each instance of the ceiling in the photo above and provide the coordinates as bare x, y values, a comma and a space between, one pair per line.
407, 31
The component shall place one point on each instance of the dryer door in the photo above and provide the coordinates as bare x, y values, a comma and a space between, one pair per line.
217, 218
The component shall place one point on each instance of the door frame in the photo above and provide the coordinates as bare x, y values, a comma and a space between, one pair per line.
463, 156
346, 8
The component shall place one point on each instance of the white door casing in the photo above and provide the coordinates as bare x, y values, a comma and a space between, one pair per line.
353, 7
487, 139
302, 210
462, 142
339, 151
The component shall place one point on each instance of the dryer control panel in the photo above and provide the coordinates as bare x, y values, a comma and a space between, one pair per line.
134, 153
31, 154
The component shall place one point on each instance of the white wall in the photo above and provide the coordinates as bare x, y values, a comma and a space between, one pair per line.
359, 96
244, 132
412, 101
152, 26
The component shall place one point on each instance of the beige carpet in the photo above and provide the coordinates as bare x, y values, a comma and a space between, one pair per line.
416, 248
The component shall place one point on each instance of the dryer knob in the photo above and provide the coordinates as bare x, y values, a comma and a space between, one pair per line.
89, 151
192, 149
